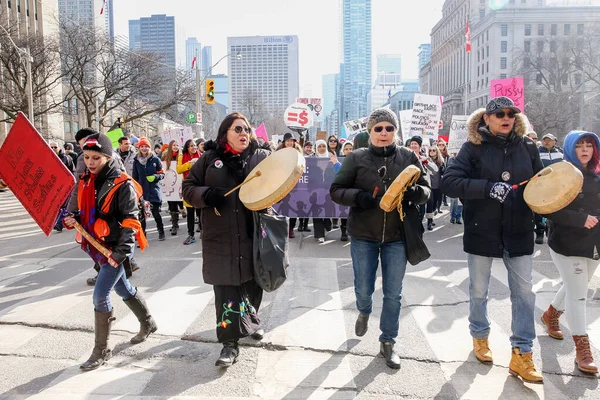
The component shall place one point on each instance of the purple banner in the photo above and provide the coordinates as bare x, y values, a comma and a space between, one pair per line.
310, 198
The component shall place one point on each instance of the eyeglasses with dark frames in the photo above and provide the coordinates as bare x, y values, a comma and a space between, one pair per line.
388, 128
239, 129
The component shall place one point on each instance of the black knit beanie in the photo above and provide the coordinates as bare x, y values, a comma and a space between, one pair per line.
99, 143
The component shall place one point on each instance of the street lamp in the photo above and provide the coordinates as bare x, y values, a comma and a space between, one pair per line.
28, 61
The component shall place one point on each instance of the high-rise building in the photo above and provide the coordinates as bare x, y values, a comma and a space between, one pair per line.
357, 59
207, 61
386, 85
389, 64
109, 20
424, 54
157, 35
135, 39
192, 49
263, 70
330, 96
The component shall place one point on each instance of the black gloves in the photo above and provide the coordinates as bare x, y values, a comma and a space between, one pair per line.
366, 201
498, 191
214, 197
412, 193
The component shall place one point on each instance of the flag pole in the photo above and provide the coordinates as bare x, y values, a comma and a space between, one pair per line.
467, 57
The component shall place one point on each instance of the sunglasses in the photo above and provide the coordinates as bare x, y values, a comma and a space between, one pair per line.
333, 141
381, 128
501, 114
239, 129
53, 147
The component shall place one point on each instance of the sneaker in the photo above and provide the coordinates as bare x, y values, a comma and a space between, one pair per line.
344, 238
321, 240
539, 238
189, 240
161, 236
92, 281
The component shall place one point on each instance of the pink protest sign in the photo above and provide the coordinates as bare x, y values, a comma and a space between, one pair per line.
512, 88
261, 132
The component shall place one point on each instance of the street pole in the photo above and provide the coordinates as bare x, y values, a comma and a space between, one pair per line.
198, 94
28, 62
98, 113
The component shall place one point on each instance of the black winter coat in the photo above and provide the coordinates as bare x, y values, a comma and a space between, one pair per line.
227, 257
492, 227
359, 172
140, 172
567, 234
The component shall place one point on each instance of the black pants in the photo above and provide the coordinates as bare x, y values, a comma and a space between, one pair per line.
191, 220
320, 225
293, 223
155, 209
237, 310
432, 203
175, 206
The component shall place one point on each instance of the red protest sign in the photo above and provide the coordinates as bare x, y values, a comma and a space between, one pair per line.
34, 173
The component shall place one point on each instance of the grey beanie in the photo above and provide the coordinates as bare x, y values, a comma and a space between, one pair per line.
381, 115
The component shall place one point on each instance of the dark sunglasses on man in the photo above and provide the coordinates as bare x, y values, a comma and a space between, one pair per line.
388, 128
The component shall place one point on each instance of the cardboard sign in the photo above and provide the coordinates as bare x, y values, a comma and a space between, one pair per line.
321, 135
114, 136
426, 116
458, 133
405, 119
314, 103
354, 127
513, 88
170, 185
181, 135
34, 173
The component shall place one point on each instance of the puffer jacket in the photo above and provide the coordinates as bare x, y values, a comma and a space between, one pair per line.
492, 227
359, 172
567, 234
550, 157
227, 257
153, 167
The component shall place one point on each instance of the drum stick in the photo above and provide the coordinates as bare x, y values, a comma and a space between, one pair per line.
105, 252
258, 173
543, 173
375, 191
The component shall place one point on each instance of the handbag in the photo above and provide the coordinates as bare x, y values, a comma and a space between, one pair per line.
270, 249
416, 249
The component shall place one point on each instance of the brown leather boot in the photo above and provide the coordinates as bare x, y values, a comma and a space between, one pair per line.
550, 319
522, 365
482, 350
583, 356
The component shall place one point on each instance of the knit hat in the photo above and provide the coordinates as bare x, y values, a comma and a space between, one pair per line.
144, 141
83, 133
99, 143
417, 139
381, 115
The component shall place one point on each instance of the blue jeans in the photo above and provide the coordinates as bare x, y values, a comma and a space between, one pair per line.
110, 277
365, 260
521, 296
455, 210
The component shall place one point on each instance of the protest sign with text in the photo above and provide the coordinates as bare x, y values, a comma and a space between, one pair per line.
513, 88
170, 185
181, 135
34, 173
405, 118
310, 198
458, 133
314, 103
354, 127
426, 115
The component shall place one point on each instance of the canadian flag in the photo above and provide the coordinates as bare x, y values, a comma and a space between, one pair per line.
102, 9
193, 62
468, 36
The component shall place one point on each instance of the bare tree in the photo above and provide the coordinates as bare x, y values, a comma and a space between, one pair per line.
131, 83
253, 107
275, 125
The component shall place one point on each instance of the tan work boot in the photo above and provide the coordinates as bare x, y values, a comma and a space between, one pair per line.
522, 365
550, 319
583, 356
482, 350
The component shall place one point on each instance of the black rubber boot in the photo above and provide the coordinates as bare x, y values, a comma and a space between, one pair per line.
429, 224
344, 237
147, 324
229, 354
174, 223
392, 359
161, 235
101, 353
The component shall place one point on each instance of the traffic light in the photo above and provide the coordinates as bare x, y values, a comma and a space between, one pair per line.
210, 91
119, 122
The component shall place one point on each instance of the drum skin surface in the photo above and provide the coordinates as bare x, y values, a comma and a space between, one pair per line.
395, 193
279, 174
555, 191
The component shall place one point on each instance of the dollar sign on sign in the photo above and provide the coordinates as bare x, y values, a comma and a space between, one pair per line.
302, 120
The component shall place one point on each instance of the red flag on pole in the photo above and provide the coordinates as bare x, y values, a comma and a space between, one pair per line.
468, 36
102, 9
193, 62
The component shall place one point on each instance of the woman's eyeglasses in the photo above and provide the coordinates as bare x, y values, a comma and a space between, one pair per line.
501, 114
381, 128
239, 129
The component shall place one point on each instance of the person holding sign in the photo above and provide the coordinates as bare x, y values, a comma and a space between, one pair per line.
375, 234
498, 223
170, 158
185, 162
108, 203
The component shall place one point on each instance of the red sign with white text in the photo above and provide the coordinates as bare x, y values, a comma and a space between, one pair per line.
34, 173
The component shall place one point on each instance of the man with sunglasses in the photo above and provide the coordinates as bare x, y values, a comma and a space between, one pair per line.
498, 223
377, 235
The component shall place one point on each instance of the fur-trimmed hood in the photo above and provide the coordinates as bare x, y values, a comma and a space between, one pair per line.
474, 122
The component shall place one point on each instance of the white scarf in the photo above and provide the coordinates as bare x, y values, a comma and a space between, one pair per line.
317, 143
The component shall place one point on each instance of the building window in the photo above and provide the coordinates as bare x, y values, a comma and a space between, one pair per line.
502, 76
541, 29
503, 46
553, 29
553, 46
540, 46
75, 126
487, 35
482, 13
487, 66
527, 47
527, 29
567, 29
478, 70
580, 29
503, 63
504, 30
67, 127
538, 79
478, 59
487, 50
